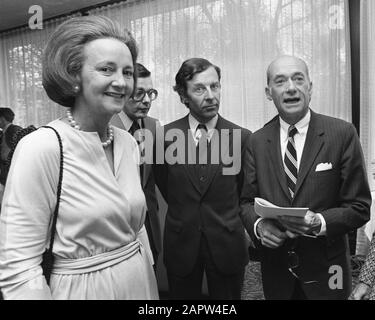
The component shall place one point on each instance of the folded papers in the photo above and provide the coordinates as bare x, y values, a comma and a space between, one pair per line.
266, 209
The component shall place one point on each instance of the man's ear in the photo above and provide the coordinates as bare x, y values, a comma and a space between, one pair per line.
268, 93
310, 91
184, 100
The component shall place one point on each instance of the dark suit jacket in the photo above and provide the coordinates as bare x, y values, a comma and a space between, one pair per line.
341, 195
148, 185
213, 210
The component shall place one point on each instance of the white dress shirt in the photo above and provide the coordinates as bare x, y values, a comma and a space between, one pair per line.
126, 121
193, 124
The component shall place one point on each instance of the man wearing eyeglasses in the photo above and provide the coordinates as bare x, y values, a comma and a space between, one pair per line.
308, 160
203, 228
134, 119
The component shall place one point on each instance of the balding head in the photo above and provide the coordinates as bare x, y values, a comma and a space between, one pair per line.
286, 60
289, 87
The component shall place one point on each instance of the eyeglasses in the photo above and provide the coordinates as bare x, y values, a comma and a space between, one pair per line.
293, 263
140, 94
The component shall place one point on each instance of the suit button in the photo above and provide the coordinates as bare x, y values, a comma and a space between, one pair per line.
202, 179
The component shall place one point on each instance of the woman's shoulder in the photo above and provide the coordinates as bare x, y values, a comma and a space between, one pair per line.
42, 140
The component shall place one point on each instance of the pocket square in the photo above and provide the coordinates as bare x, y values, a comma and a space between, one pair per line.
323, 166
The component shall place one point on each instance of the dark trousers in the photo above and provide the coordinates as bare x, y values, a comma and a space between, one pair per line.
220, 286
298, 293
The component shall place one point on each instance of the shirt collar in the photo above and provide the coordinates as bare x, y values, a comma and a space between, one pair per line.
211, 124
302, 125
126, 121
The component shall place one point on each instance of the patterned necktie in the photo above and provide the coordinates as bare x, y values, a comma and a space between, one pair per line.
290, 161
202, 145
134, 127
203, 132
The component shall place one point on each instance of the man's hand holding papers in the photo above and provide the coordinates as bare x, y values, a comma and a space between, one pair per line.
309, 225
279, 223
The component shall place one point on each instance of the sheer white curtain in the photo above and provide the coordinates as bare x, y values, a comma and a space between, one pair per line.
21, 75
242, 37
367, 115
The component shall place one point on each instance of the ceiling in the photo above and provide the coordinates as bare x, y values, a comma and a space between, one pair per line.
15, 13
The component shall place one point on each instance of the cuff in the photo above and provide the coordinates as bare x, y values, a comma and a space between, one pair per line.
323, 227
255, 228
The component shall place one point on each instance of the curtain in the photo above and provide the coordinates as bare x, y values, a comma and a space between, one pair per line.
21, 75
367, 105
242, 37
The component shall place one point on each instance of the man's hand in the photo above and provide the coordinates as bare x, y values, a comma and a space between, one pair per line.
360, 292
309, 224
271, 234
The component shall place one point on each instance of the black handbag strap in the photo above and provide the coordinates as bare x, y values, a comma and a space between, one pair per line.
56, 212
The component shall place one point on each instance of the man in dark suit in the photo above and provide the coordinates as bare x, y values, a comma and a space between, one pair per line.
202, 183
8, 132
135, 120
305, 159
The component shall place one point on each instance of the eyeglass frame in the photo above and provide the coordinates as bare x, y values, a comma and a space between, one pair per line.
149, 92
296, 265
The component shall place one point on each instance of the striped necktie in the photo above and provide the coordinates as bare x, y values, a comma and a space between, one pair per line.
290, 161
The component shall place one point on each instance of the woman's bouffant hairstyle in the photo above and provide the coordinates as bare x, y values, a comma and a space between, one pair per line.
188, 70
64, 54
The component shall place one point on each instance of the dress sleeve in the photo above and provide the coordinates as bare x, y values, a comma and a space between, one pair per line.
28, 203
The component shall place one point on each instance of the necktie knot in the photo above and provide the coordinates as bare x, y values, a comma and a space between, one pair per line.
202, 126
292, 130
201, 132
134, 127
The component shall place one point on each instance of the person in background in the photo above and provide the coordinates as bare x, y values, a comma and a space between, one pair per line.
305, 159
100, 241
8, 130
365, 288
134, 119
203, 227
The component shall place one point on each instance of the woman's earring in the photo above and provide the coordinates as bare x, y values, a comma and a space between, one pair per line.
76, 88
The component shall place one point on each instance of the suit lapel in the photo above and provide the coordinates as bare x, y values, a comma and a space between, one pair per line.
313, 144
146, 167
273, 141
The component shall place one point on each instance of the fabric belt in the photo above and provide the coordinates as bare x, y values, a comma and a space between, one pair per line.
97, 262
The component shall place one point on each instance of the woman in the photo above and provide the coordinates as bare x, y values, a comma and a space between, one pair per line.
365, 289
88, 67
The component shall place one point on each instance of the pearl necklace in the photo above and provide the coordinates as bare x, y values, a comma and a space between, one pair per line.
75, 125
